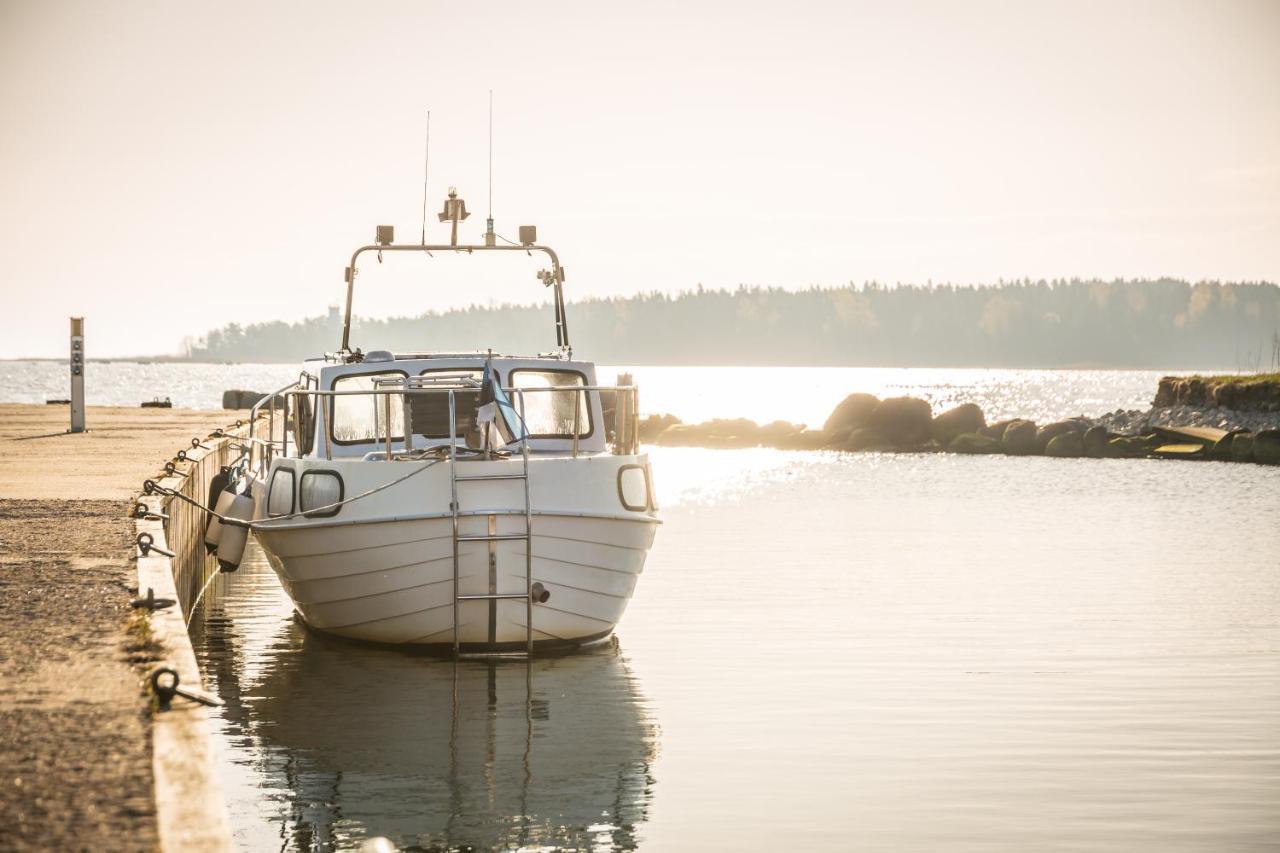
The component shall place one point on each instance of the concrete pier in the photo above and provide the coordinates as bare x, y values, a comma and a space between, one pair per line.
76, 721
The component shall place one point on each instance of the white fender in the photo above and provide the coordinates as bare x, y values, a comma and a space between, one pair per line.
232, 539
214, 531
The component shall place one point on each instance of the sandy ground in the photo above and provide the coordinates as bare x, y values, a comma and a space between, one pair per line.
122, 447
75, 756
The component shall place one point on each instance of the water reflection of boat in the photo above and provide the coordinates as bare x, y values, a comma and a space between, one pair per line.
477, 754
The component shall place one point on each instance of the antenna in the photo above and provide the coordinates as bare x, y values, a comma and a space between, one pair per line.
488, 234
426, 173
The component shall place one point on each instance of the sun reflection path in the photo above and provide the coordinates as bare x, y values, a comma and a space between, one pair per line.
694, 476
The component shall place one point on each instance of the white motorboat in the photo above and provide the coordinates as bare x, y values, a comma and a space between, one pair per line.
485, 502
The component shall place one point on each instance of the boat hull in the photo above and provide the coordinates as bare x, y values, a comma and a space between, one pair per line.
387, 578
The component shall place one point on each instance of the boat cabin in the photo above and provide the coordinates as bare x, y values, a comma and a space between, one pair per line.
554, 403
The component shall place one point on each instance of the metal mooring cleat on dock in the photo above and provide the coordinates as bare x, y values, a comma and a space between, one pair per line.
166, 684
147, 544
142, 511
150, 602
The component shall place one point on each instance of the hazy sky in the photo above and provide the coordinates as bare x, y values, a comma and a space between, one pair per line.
169, 167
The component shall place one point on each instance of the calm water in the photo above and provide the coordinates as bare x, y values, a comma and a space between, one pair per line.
872, 652
798, 394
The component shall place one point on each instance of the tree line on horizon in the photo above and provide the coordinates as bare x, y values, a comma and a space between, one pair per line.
1164, 323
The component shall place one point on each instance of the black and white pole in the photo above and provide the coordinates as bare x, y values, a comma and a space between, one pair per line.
77, 374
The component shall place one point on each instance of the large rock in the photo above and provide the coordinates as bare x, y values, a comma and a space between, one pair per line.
237, 398
729, 432
996, 430
1066, 444
1096, 442
773, 434
966, 417
904, 421
1242, 447
716, 433
1128, 447
1221, 449
1266, 446
1048, 432
678, 435
851, 413
973, 442
1019, 438
653, 426
866, 439
810, 439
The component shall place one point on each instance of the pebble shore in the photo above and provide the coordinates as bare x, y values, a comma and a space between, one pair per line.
1138, 422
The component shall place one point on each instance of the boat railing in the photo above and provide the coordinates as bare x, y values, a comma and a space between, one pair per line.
301, 406
262, 450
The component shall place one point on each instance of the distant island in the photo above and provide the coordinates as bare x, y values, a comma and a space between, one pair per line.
1164, 323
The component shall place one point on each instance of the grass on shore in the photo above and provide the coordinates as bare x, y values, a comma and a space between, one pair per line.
1238, 378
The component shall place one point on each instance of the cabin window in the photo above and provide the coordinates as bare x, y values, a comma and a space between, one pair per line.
429, 413
361, 418
280, 497
303, 420
551, 414
633, 488
318, 492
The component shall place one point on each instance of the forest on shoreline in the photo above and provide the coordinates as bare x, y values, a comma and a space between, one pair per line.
1162, 323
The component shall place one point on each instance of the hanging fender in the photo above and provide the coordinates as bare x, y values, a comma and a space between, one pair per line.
212, 527
232, 538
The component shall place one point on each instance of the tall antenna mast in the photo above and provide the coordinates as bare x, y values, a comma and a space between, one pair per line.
426, 173
489, 237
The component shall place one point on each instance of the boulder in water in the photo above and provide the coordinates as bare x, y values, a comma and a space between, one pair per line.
1019, 438
729, 432
903, 421
1096, 441
973, 442
1127, 447
1266, 446
1066, 444
1048, 432
810, 439
775, 432
678, 435
851, 413
966, 417
1242, 447
996, 430
1221, 449
865, 439
653, 426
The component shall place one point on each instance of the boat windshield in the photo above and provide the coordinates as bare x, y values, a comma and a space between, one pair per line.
554, 414
361, 419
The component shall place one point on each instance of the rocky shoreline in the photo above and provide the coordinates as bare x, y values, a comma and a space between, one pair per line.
864, 423
1248, 392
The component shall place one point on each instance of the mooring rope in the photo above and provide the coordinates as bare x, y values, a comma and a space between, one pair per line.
195, 604
152, 487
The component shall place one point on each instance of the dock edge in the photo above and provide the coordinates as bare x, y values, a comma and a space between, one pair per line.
191, 810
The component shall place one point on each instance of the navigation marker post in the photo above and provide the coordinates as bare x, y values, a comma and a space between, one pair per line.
77, 374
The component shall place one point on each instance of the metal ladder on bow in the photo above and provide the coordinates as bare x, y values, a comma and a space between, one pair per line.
456, 479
